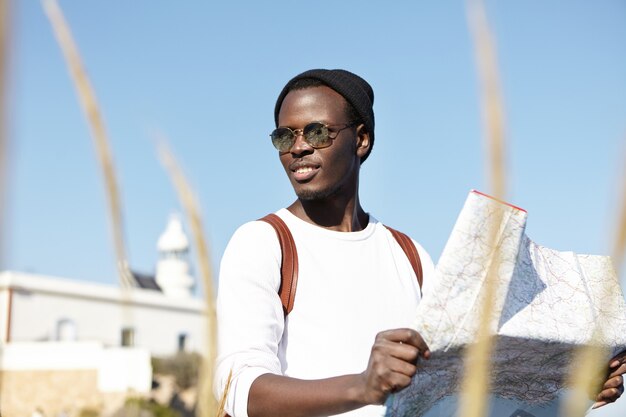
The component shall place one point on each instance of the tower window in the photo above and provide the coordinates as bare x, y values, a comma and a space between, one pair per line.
128, 337
66, 330
182, 342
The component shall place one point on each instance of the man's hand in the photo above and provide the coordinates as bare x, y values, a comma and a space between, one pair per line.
613, 388
390, 368
392, 363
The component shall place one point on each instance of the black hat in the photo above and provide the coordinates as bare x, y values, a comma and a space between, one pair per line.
353, 88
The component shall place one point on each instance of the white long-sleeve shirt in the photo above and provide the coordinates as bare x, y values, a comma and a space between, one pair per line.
351, 285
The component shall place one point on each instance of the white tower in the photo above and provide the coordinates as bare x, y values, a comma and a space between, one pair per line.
172, 270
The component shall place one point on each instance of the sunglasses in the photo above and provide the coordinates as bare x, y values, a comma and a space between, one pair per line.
316, 134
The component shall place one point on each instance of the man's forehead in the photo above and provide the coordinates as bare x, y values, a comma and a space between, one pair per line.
313, 102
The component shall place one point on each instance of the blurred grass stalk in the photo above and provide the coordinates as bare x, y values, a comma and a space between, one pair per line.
4, 148
584, 370
91, 109
590, 360
4, 34
491, 98
90, 106
476, 382
207, 405
221, 412
619, 245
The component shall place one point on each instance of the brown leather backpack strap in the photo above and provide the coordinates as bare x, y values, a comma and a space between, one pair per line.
408, 247
289, 263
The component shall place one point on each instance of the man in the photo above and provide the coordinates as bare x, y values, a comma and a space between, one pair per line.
346, 345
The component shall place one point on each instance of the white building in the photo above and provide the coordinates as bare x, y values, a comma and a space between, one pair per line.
54, 329
36, 308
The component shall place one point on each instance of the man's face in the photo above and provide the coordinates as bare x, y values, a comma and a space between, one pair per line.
317, 174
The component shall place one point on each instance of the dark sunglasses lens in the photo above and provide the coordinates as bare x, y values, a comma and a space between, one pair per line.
316, 135
282, 139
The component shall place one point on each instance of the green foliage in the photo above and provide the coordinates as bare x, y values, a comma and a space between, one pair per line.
183, 366
89, 412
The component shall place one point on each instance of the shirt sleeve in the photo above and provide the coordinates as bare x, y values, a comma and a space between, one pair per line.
249, 313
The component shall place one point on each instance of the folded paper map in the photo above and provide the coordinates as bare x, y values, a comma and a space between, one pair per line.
547, 304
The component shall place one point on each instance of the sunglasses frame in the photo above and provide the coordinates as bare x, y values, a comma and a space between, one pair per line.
330, 136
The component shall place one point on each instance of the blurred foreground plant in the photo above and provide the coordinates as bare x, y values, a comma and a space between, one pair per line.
183, 367
207, 404
143, 407
476, 382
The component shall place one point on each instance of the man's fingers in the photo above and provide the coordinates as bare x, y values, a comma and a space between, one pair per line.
618, 363
620, 370
396, 374
609, 395
401, 367
395, 384
614, 382
612, 390
408, 336
390, 357
403, 351
392, 362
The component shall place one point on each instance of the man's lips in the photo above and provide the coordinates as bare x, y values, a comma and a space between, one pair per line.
303, 171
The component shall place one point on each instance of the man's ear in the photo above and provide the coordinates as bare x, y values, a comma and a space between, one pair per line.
362, 141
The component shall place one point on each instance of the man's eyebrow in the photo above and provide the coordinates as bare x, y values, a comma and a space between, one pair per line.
322, 121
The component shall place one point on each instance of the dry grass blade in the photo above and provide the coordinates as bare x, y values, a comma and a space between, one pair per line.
476, 382
90, 107
619, 246
589, 360
4, 33
585, 365
207, 405
491, 98
221, 409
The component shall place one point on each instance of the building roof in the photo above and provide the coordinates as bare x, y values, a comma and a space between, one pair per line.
145, 281
24, 282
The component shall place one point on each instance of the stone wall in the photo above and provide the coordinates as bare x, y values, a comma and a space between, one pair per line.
55, 392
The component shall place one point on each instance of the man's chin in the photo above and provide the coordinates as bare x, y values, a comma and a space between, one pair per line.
313, 194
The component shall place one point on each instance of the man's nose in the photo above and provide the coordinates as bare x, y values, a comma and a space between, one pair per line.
300, 145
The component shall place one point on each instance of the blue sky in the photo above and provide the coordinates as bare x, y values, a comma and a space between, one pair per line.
207, 75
